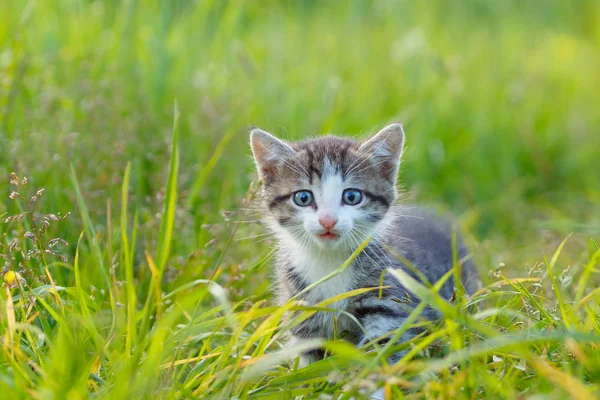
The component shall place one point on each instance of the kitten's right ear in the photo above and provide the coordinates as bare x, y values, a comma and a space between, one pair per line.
268, 151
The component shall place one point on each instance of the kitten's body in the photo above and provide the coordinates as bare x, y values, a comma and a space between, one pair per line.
414, 235
328, 169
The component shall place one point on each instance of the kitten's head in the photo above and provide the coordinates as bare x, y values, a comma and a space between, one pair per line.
329, 192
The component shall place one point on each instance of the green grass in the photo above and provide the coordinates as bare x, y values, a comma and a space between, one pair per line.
133, 116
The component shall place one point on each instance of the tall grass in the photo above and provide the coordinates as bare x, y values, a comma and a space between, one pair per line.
157, 283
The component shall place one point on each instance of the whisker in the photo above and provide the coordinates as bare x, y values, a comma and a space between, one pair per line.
256, 236
378, 233
375, 253
264, 260
263, 240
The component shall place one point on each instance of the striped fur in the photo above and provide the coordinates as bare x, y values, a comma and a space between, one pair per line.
326, 167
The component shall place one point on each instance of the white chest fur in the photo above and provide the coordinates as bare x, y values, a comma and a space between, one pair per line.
314, 268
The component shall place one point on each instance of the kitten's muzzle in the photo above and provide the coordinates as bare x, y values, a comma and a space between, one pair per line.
327, 222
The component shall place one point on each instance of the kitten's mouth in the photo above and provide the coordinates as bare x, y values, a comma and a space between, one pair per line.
328, 236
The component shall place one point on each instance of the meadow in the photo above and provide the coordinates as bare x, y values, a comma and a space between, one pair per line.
132, 260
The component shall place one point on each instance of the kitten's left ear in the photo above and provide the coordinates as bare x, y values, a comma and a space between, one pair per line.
386, 148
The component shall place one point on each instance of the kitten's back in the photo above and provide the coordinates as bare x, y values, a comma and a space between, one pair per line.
426, 241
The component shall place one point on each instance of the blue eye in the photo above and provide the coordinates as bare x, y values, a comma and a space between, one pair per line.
303, 198
352, 197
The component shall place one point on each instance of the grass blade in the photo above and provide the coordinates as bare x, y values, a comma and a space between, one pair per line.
209, 166
169, 207
127, 262
557, 291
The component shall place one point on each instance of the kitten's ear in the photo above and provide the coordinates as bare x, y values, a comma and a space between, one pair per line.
268, 151
386, 146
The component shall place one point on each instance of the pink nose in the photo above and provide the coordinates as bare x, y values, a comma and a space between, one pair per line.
327, 222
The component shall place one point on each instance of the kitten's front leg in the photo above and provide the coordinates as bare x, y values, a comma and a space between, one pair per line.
379, 317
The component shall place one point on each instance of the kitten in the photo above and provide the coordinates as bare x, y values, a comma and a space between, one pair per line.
323, 198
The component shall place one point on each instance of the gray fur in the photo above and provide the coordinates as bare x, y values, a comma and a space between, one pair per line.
412, 233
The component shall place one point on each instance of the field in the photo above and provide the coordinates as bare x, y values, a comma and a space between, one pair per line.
132, 264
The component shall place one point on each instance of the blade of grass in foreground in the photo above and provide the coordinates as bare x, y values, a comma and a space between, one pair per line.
168, 215
260, 365
337, 271
518, 343
209, 166
92, 238
559, 297
127, 261
81, 296
587, 272
431, 297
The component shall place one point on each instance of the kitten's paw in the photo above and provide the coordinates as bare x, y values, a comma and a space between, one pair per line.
378, 395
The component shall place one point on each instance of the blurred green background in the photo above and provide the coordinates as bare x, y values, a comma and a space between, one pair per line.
500, 102
501, 105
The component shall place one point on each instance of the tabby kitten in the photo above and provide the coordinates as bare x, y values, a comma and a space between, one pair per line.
323, 197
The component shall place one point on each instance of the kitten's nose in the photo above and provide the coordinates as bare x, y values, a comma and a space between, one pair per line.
327, 222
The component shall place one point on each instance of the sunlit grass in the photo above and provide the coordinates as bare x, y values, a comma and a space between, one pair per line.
147, 291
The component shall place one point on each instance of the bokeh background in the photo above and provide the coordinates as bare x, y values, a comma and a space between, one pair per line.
501, 105
500, 102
